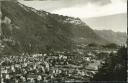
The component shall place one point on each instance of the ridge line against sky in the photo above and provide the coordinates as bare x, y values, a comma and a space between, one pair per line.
80, 8
93, 12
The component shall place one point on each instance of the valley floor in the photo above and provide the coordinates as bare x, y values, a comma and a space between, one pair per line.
52, 67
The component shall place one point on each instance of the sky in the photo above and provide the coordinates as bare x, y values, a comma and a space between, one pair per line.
80, 8
83, 9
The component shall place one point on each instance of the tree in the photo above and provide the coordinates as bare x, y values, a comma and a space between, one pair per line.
111, 46
92, 45
114, 68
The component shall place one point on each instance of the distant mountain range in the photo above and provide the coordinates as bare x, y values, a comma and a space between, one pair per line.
28, 30
117, 22
119, 38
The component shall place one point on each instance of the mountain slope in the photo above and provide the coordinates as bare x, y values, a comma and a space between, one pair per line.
114, 37
80, 31
29, 30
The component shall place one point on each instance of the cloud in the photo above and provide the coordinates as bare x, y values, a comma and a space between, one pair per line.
45, 5
80, 8
68, 3
94, 10
100, 2
50, 5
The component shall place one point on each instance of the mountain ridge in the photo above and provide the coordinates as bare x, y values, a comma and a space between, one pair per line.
117, 22
32, 30
119, 38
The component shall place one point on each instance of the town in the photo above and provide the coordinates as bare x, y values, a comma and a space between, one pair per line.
77, 66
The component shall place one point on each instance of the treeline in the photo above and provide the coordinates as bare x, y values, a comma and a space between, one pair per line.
109, 45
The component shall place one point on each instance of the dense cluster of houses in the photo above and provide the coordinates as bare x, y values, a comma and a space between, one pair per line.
44, 68
40, 68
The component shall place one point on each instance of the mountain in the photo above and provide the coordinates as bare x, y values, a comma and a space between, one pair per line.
119, 38
28, 30
117, 22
